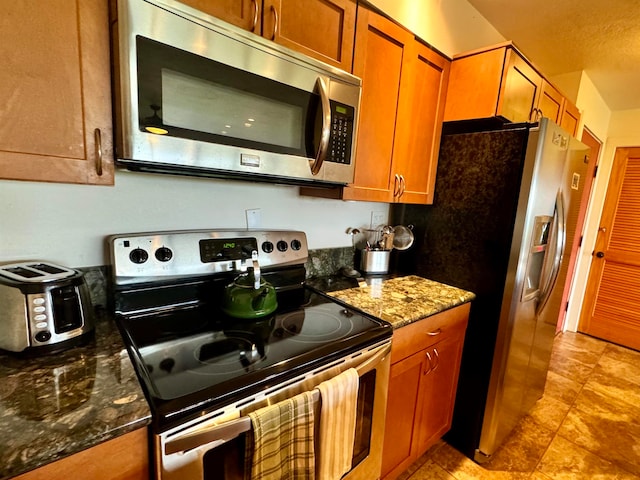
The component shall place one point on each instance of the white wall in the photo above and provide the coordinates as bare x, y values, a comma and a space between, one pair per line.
623, 131
451, 26
67, 224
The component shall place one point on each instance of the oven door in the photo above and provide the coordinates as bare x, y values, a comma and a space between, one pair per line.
198, 97
214, 448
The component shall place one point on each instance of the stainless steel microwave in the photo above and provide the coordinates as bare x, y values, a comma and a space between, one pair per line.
197, 96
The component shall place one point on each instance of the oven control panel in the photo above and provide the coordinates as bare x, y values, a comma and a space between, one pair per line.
154, 256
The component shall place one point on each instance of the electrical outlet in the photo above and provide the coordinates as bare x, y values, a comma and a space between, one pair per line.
377, 219
254, 218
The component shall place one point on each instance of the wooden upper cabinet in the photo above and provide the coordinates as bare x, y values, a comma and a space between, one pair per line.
381, 46
570, 117
403, 92
489, 83
551, 102
55, 92
520, 90
322, 29
246, 14
419, 124
500, 82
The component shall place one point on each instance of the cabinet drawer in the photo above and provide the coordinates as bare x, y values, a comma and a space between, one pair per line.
423, 333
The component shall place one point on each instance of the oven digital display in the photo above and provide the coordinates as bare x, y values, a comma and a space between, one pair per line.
225, 249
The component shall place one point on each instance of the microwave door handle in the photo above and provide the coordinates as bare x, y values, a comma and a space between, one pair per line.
326, 127
561, 236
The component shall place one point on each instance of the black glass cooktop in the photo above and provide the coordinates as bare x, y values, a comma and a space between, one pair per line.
195, 356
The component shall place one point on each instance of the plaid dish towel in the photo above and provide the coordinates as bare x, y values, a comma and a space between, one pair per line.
337, 424
281, 447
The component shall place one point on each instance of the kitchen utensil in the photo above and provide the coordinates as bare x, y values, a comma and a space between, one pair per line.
249, 296
386, 241
402, 237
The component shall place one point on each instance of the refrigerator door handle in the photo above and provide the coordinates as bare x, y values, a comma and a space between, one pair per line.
561, 237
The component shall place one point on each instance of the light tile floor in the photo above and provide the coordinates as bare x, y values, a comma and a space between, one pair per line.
586, 425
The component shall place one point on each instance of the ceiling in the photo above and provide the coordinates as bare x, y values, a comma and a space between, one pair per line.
601, 37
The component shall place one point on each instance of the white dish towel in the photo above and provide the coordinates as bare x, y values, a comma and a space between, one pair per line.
337, 425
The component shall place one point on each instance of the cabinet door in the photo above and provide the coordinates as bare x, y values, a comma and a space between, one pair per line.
123, 458
520, 89
379, 51
245, 14
570, 118
402, 406
551, 102
323, 29
423, 90
55, 92
474, 85
438, 389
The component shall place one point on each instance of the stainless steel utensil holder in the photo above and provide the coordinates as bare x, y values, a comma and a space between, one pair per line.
375, 261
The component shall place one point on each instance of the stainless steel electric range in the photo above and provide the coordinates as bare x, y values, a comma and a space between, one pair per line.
203, 371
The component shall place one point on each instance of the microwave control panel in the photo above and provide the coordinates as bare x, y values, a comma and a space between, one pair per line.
342, 117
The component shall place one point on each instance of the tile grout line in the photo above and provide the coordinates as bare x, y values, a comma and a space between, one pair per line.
571, 405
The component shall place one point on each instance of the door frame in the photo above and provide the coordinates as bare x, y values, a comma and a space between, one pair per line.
595, 145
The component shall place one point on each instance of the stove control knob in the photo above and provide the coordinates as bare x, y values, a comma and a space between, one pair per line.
282, 246
138, 255
167, 364
296, 244
164, 254
267, 247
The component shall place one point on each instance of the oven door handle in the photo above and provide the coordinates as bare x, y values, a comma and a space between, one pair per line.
216, 435
219, 434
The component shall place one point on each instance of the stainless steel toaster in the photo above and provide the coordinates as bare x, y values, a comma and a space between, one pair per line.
44, 308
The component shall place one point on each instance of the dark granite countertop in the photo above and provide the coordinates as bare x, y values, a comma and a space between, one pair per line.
400, 300
57, 405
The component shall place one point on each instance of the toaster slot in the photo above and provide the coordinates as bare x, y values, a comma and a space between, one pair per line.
50, 269
23, 272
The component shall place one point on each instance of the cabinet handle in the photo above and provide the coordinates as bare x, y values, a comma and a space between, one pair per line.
430, 366
325, 134
435, 333
255, 15
436, 355
396, 185
403, 185
98, 145
536, 113
274, 12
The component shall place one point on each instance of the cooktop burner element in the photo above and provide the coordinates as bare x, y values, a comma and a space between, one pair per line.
192, 357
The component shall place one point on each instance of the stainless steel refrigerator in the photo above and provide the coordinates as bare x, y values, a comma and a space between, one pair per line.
504, 203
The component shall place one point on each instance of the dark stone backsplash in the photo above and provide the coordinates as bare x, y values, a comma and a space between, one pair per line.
321, 263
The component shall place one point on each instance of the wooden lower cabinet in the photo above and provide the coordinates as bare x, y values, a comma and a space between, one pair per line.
123, 458
425, 361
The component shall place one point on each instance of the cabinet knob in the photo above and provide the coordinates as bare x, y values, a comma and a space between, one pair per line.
600, 254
